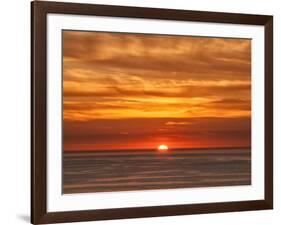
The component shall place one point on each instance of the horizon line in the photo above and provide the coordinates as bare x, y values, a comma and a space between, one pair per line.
155, 149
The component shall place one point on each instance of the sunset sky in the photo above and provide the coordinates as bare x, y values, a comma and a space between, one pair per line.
137, 91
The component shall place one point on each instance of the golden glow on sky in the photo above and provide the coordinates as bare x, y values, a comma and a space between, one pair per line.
135, 91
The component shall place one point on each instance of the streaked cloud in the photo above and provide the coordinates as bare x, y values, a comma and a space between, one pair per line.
115, 77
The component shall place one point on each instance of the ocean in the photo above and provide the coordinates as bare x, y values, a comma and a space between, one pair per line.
130, 170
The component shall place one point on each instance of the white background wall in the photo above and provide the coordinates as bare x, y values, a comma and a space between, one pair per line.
15, 111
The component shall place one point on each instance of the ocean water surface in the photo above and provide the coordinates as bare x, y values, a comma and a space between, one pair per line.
129, 170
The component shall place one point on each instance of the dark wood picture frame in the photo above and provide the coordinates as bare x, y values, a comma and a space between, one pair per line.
39, 11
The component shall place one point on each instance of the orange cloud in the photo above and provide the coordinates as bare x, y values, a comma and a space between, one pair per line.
138, 77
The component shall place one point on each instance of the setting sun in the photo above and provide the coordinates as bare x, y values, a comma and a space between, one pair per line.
163, 148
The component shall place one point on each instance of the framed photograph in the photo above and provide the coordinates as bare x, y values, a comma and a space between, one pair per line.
144, 112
